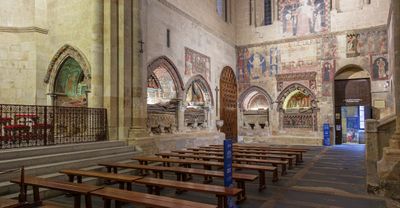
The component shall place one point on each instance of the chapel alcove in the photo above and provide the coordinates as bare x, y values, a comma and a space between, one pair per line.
198, 102
297, 107
164, 87
255, 106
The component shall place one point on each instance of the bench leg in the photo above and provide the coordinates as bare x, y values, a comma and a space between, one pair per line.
121, 185
79, 178
88, 201
71, 178
221, 200
261, 180
129, 186
275, 176
36, 195
284, 169
242, 196
77, 201
290, 163
118, 204
107, 203
149, 189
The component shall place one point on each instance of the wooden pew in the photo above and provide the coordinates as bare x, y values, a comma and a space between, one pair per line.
208, 164
74, 189
239, 154
9, 203
151, 200
120, 178
275, 163
285, 149
297, 154
181, 173
154, 185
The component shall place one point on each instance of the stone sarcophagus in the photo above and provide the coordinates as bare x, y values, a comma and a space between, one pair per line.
195, 118
256, 118
162, 117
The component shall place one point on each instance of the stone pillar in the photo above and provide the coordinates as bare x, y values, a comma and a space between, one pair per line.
372, 152
139, 90
389, 165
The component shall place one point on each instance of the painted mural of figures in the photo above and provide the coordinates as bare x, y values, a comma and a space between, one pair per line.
304, 18
242, 65
380, 68
319, 15
189, 65
274, 61
299, 100
256, 66
352, 45
327, 70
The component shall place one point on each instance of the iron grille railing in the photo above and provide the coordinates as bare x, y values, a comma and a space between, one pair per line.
34, 125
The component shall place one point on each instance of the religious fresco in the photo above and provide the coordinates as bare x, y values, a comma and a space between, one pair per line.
352, 44
366, 43
195, 95
304, 17
197, 63
70, 86
257, 102
252, 64
160, 87
297, 101
274, 57
328, 48
328, 71
379, 67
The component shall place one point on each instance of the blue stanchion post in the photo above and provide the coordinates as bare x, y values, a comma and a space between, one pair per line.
228, 181
327, 134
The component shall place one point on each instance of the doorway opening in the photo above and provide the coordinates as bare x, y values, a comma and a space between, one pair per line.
352, 105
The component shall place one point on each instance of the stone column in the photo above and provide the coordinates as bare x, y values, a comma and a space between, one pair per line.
372, 152
389, 165
139, 90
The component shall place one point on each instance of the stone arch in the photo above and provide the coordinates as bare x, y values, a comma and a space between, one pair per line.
65, 52
205, 87
352, 68
293, 87
166, 63
254, 89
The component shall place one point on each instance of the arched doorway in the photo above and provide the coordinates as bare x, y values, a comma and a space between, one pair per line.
69, 78
352, 104
228, 106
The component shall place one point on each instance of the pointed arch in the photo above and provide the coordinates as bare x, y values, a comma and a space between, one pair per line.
352, 70
167, 64
252, 89
65, 52
293, 87
203, 83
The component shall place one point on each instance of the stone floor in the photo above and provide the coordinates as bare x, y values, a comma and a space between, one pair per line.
330, 177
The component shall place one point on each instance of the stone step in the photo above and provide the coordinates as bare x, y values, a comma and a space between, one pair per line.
7, 154
55, 158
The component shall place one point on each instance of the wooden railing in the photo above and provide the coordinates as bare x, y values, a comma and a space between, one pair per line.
34, 125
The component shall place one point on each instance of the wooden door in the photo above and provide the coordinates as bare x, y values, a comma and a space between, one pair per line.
228, 105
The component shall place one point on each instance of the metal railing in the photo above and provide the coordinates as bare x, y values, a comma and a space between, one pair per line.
34, 125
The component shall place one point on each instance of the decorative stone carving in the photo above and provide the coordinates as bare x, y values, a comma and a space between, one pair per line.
195, 118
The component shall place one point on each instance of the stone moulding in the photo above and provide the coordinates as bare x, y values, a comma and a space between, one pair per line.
31, 29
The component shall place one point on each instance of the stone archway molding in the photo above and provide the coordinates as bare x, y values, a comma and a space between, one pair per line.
58, 59
166, 63
204, 84
251, 89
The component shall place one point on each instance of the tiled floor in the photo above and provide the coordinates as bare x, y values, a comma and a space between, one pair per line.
330, 177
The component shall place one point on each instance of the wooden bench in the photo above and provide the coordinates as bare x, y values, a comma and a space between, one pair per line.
8, 203
197, 151
76, 190
120, 178
236, 159
181, 174
151, 200
154, 185
208, 164
297, 154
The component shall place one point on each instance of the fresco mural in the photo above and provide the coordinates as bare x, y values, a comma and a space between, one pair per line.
197, 63
274, 57
70, 86
257, 102
303, 17
373, 42
379, 67
194, 96
160, 87
328, 48
328, 71
298, 100
352, 44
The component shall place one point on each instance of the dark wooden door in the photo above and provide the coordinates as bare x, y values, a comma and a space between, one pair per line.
228, 105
